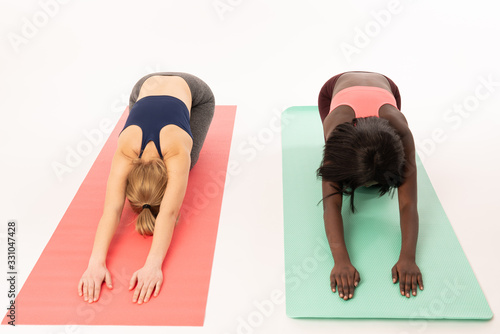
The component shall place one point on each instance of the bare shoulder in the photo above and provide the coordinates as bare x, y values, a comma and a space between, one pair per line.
395, 118
129, 143
178, 159
123, 159
175, 141
398, 121
339, 115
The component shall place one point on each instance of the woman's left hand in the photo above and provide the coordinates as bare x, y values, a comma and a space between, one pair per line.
409, 277
149, 278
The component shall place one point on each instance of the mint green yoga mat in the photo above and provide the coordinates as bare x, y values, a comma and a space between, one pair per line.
373, 240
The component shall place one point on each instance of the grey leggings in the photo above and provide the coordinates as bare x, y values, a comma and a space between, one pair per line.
202, 108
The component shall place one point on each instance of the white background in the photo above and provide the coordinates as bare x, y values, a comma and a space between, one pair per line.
78, 67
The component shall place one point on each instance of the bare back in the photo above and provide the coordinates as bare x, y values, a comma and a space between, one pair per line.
167, 85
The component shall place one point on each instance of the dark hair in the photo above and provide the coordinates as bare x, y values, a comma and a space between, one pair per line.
366, 149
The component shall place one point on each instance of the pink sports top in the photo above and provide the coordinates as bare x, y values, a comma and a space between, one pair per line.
364, 100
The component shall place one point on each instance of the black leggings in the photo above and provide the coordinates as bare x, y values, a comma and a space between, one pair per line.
202, 108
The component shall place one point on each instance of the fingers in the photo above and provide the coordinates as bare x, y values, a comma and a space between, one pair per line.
409, 278
402, 283
338, 282
149, 292
80, 288
333, 283
84, 291
145, 286
408, 285
137, 292
345, 287
157, 289
107, 279
339, 286
420, 282
414, 284
351, 286
97, 290
90, 291
142, 294
132, 281
345, 282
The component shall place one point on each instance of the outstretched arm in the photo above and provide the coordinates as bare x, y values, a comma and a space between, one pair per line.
150, 277
89, 285
343, 275
406, 269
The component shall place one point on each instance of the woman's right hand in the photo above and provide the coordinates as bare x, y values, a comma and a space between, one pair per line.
346, 278
90, 284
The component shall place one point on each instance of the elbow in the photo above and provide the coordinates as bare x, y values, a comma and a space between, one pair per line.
112, 213
409, 210
331, 211
168, 214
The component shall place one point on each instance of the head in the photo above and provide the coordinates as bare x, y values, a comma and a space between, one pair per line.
364, 152
146, 185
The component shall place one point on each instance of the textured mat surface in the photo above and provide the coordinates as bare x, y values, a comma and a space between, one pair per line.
49, 295
373, 239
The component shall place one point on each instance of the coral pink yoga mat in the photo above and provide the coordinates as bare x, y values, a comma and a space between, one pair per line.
49, 295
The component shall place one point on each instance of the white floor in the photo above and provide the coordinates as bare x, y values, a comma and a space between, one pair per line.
66, 66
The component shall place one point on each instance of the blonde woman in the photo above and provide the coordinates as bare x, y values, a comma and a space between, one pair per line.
169, 117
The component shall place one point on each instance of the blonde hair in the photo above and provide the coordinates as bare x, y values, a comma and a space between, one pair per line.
146, 185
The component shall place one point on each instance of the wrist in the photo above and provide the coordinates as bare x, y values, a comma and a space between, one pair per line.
153, 262
340, 254
97, 261
342, 259
407, 256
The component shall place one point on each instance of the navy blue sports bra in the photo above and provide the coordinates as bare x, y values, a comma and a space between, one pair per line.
152, 113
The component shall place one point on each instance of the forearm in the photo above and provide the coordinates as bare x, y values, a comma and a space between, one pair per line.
164, 229
104, 234
334, 228
334, 225
409, 231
